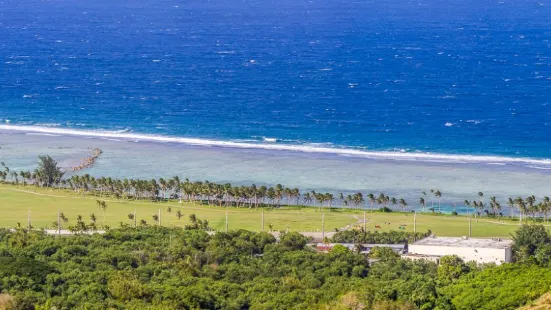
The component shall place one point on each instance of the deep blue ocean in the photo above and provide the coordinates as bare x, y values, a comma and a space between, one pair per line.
454, 77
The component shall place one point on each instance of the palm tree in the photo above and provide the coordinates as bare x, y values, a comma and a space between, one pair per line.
102, 205
546, 207
481, 197
422, 202
372, 200
320, 198
530, 201
438, 195
511, 204
307, 198
393, 202
519, 202
179, 214
358, 199
494, 205
329, 198
403, 204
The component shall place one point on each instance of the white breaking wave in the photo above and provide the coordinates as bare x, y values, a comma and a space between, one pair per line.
422, 157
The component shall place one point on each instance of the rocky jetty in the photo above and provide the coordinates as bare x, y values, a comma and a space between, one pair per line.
88, 161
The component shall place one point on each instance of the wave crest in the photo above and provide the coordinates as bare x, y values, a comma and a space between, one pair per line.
399, 155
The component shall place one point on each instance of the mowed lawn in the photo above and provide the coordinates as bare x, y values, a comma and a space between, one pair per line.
15, 203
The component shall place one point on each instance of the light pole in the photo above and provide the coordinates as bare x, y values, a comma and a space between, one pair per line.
322, 227
226, 221
262, 220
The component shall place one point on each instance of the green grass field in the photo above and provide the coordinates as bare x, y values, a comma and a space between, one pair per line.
15, 203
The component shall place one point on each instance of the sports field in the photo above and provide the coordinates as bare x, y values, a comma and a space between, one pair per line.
43, 204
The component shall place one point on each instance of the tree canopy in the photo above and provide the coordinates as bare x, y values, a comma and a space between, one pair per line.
170, 268
48, 173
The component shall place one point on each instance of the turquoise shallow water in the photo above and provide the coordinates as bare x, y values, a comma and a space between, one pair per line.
307, 171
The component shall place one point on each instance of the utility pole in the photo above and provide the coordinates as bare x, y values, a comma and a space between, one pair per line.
414, 222
470, 226
365, 223
58, 223
322, 227
226, 221
135, 219
29, 220
262, 219
160, 217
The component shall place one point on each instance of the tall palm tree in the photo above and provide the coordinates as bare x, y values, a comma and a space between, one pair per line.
342, 199
519, 202
358, 199
102, 205
393, 202
511, 204
438, 195
481, 197
494, 205
307, 198
329, 198
372, 200
530, 201
403, 204
546, 207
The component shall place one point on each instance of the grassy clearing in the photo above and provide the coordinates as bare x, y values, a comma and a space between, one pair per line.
15, 202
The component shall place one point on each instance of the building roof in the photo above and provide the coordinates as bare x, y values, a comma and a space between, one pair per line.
400, 246
463, 242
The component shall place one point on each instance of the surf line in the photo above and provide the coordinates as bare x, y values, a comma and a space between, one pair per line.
88, 161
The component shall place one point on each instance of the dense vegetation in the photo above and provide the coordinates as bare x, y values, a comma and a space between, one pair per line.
169, 268
391, 237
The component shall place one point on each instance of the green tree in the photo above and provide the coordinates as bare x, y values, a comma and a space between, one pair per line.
450, 269
48, 173
527, 239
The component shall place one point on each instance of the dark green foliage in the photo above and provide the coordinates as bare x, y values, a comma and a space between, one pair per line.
506, 287
24, 268
168, 268
451, 268
48, 173
391, 237
527, 239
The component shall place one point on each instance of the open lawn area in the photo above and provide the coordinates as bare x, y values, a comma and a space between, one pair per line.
43, 204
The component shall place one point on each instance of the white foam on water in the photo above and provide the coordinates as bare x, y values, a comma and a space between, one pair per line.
535, 163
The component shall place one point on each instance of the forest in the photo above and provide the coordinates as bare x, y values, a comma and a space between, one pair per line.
173, 268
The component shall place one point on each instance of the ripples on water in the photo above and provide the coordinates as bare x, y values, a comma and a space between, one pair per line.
455, 77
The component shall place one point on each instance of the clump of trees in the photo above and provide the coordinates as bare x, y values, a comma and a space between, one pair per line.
391, 237
532, 244
156, 267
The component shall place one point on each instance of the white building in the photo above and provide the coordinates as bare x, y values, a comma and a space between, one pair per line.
479, 250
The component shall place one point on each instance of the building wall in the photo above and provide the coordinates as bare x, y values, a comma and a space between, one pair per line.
479, 255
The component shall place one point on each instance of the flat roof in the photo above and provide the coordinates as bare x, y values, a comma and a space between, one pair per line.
462, 242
